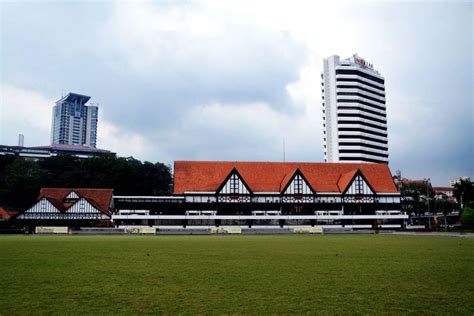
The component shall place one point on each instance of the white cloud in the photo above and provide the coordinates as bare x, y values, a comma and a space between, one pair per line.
249, 131
221, 38
123, 142
24, 112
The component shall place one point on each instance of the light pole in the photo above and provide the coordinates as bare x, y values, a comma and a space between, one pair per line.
428, 201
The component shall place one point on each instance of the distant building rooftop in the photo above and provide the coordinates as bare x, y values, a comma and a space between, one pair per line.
72, 97
38, 152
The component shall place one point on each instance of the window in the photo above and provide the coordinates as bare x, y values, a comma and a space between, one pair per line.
359, 185
234, 184
298, 184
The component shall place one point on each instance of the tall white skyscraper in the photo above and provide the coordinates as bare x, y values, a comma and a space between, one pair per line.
74, 123
354, 115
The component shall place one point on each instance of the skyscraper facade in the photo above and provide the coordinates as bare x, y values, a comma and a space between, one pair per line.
354, 112
74, 122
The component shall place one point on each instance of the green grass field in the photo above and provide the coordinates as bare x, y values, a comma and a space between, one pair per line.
329, 274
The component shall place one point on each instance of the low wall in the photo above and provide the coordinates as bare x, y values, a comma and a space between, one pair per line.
51, 230
140, 230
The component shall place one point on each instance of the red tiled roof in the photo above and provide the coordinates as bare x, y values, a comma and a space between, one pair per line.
207, 176
443, 189
345, 179
99, 198
6, 214
287, 179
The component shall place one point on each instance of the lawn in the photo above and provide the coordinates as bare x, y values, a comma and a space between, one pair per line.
329, 274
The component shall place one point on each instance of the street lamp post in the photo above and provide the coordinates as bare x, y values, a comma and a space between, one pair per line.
428, 201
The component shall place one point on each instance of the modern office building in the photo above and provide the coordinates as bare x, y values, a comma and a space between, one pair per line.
74, 122
354, 112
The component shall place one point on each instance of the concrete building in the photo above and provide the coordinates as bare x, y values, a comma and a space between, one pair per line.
74, 122
354, 112
41, 152
443, 192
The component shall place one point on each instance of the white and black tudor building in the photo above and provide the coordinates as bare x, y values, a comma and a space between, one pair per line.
269, 194
69, 207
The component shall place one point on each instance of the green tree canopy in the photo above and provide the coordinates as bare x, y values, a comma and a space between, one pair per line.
21, 180
463, 191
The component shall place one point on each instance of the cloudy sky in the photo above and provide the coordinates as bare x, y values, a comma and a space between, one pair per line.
229, 80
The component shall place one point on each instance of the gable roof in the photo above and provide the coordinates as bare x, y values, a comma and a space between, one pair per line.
72, 195
348, 178
207, 176
345, 179
290, 178
99, 198
227, 178
287, 179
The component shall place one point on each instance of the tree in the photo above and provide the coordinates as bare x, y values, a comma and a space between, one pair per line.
416, 196
467, 217
61, 170
463, 191
23, 180
445, 207
20, 180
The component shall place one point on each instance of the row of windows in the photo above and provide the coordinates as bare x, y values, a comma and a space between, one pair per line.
363, 145
363, 130
362, 116
362, 159
358, 73
361, 95
364, 152
382, 89
360, 88
382, 128
361, 109
361, 102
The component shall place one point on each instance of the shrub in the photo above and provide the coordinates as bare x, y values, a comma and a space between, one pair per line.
467, 216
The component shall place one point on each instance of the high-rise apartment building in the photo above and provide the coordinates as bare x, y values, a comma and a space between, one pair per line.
74, 122
354, 113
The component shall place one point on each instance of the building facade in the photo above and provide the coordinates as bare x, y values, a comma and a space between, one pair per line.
69, 207
269, 195
74, 122
354, 111
41, 152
